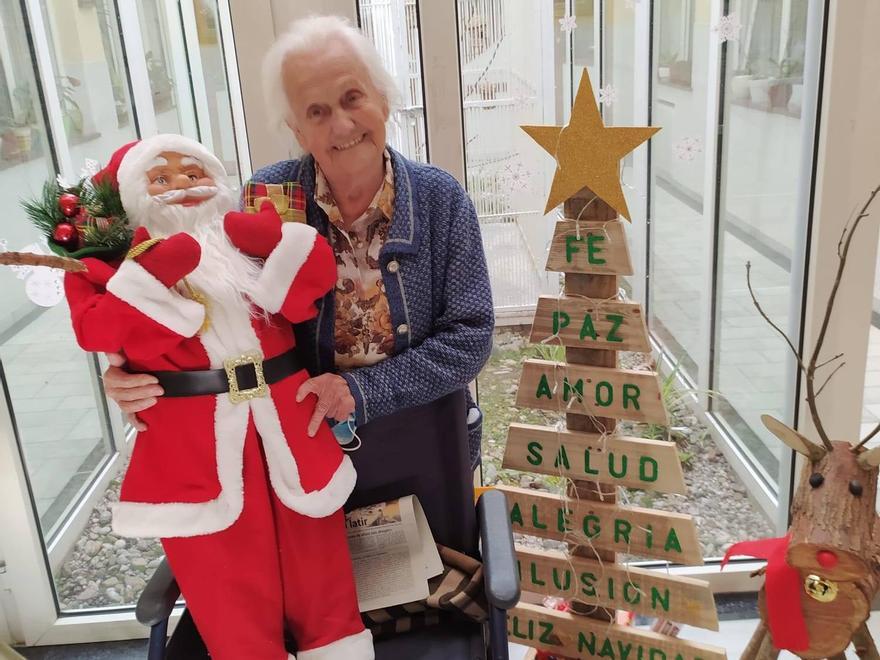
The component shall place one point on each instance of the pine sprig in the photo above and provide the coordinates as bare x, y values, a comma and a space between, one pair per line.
44, 212
116, 234
103, 225
109, 226
101, 200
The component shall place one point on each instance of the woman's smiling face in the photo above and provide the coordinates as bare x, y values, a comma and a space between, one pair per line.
338, 114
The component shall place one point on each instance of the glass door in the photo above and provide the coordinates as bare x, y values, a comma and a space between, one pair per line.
78, 80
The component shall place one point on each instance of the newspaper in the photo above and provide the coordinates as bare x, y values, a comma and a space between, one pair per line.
393, 553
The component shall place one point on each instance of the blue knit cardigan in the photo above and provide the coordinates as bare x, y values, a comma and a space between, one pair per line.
434, 271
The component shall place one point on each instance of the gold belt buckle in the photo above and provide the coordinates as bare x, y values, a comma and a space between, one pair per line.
237, 395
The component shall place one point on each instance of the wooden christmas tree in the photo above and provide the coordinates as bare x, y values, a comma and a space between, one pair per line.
589, 246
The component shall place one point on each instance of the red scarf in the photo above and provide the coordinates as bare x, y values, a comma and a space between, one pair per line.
782, 588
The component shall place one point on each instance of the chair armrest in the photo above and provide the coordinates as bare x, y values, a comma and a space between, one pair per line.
158, 597
499, 559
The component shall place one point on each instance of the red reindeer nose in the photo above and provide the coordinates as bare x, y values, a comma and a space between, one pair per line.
826, 559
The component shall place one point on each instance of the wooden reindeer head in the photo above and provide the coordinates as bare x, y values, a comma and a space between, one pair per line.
832, 538
832, 543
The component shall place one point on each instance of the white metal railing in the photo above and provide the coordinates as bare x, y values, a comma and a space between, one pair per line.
497, 98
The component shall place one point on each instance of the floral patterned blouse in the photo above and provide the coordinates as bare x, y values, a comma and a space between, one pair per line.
363, 330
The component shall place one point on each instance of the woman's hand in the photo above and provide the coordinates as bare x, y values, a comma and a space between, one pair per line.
131, 392
334, 399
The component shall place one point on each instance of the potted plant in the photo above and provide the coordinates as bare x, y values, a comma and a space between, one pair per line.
18, 128
161, 85
664, 66
680, 73
72, 113
780, 82
797, 98
739, 83
759, 91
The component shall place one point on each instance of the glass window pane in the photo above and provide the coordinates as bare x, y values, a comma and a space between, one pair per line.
393, 27
219, 134
165, 53
584, 49
871, 397
509, 71
56, 401
759, 181
679, 269
618, 101
91, 78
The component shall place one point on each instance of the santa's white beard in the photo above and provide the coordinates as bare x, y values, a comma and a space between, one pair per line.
224, 274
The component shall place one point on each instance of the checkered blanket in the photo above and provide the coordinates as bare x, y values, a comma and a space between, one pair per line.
457, 592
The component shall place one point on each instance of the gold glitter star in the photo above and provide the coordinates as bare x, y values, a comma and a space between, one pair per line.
587, 152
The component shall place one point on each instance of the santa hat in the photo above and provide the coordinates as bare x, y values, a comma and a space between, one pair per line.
108, 174
130, 163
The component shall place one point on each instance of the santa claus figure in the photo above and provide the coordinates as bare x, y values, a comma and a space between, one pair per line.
248, 507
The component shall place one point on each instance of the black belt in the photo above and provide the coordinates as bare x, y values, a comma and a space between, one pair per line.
244, 377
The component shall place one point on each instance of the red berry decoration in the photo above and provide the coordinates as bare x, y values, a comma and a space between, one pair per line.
69, 204
65, 235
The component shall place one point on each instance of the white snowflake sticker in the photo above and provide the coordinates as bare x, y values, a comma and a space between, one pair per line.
607, 95
517, 176
45, 286
568, 24
687, 148
728, 27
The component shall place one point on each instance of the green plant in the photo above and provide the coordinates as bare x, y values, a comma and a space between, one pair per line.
73, 117
783, 68
668, 58
686, 458
24, 116
551, 352
160, 83
671, 397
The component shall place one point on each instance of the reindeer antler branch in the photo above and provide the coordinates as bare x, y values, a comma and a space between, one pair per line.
846, 240
809, 370
797, 356
794, 351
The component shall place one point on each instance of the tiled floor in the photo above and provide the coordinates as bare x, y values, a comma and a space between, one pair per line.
733, 637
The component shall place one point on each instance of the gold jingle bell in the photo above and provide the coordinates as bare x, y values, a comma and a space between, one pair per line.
820, 589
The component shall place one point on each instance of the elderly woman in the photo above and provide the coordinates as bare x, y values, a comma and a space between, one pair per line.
410, 321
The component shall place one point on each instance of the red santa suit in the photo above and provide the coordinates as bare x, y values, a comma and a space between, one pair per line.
248, 507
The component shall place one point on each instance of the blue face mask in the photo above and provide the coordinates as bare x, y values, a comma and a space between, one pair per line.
344, 431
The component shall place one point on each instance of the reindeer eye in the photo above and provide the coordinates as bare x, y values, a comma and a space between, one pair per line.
816, 480
855, 488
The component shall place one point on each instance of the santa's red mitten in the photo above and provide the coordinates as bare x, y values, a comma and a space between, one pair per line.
98, 272
255, 234
169, 260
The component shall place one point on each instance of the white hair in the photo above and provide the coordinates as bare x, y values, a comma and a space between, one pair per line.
305, 36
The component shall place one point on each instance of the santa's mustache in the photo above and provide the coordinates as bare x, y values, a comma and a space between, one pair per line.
177, 196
